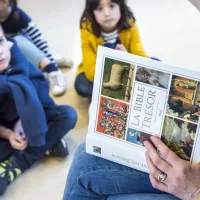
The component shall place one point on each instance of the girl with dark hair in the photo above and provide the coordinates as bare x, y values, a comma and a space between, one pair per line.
108, 23
17, 24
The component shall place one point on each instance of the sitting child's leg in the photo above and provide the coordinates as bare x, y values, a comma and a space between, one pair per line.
91, 177
54, 75
60, 120
5, 150
32, 53
83, 86
39, 59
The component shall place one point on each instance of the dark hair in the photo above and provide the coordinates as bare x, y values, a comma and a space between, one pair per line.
13, 4
14, 14
88, 15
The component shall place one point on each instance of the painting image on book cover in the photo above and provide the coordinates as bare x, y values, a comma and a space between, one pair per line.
183, 99
112, 118
152, 77
117, 79
137, 137
179, 136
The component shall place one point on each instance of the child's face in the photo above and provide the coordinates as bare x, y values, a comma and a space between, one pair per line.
4, 52
107, 15
4, 10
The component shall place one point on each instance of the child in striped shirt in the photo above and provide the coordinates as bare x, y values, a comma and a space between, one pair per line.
17, 24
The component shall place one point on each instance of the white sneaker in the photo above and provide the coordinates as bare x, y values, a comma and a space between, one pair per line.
57, 83
63, 62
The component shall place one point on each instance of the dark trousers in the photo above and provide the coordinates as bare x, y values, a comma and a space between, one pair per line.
60, 120
83, 86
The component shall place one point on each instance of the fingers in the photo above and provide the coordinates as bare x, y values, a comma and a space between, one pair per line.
18, 146
19, 143
21, 136
154, 173
169, 155
152, 168
18, 138
24, 146
153, 159
23, 143
21, 146
158, 185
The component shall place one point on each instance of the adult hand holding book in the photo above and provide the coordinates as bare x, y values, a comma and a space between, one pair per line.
136, 98
180, 177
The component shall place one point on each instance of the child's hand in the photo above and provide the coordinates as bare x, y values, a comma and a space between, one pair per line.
19, 130
121, 47
18, 138
17, 142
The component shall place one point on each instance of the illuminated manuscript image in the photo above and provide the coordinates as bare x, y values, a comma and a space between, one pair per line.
112, 118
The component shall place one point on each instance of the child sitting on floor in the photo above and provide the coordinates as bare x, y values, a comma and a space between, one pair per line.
16, 23
110, 24
31, 124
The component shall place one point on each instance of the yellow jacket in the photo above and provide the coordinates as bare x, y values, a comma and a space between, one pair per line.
130, 38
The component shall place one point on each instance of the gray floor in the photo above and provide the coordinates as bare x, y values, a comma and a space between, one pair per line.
170, 31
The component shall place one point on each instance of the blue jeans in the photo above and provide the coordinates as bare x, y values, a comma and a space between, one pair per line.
93, 178
83, 86
33, 54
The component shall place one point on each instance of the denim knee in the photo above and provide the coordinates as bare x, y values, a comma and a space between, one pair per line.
31, 52
80, 89
70, 115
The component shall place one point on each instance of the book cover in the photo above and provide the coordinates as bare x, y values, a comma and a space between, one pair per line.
135, 98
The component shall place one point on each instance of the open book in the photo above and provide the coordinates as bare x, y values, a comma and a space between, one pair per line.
135, 98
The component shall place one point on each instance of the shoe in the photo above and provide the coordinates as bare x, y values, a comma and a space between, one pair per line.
63, 62
59, 150
7, 175
57, 83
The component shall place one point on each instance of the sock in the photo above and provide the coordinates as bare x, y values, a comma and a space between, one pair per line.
12, 177
2, 170
48, 153
11, 174
52, 67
